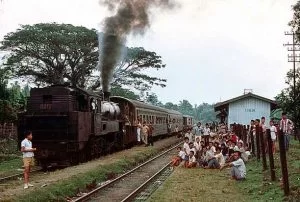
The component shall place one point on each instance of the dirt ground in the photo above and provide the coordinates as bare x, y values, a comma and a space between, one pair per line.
198, 185
15, 188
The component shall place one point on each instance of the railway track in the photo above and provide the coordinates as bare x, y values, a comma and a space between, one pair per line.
130, 184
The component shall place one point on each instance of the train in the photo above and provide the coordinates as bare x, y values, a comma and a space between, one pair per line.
71, 125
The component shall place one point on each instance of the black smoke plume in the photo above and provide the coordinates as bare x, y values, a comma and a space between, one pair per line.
131, 16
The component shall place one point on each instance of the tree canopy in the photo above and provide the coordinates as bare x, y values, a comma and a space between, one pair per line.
12, 99
48, 53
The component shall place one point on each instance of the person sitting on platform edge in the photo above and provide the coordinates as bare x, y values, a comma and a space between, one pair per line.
238, 168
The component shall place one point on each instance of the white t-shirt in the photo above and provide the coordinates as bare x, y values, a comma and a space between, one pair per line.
193, 149
273, 130
181, 154
192, 159
186, 148
213, 149
28, 145
206, 131
190, 136
240, 165
220, 159
197, 146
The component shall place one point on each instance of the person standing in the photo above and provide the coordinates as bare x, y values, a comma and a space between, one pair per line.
273, 131
145, 133
189, 135
286, 126
138, 130
27, 150
264, 134
198, 131
206, 134
150, 133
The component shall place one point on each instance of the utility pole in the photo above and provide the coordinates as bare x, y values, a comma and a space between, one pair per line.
293, 47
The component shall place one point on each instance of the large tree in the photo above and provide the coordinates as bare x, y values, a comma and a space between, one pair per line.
48, 53
124, 92
130, 70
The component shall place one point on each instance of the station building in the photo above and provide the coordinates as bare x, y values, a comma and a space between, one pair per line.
243, 109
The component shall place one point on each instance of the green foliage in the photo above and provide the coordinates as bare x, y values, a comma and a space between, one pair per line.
130, 70
153, 100
286, 99
186, 107
58, 191
204, 112
46, 53
49, 52
12, 99
170, 105
123, 92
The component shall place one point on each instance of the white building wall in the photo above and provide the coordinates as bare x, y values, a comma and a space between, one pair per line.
244, 110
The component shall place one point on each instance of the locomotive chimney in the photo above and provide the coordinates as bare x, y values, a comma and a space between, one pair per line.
106, 96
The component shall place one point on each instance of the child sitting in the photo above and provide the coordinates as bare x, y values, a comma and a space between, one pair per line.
192, 161
177, 159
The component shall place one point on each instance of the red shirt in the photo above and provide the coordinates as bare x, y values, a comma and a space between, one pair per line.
234, 138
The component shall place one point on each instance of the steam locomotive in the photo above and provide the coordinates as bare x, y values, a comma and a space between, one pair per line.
72, 125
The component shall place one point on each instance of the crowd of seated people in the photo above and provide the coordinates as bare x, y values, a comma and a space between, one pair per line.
219, 151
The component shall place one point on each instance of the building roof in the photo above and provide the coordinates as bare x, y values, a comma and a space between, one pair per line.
220, 105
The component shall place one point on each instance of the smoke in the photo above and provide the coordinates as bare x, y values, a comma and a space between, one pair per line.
131, 16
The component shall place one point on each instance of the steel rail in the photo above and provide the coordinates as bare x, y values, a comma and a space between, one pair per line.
91, 193
133, 194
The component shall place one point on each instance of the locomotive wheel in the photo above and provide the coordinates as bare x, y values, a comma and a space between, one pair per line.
74, 158
97, 147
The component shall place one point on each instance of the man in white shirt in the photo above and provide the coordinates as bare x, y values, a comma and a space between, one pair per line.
186, 147
206, 134
199, 131
273, 131
219, 156
189, 135
286, 126
26, 148
238, 168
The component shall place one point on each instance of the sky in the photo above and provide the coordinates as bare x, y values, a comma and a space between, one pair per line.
213, 49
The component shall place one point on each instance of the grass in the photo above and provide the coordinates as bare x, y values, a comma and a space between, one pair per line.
198, 185
69, 187
212, 185
9, 164
259, 186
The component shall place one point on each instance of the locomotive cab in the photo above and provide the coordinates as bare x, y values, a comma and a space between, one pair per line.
69, 125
